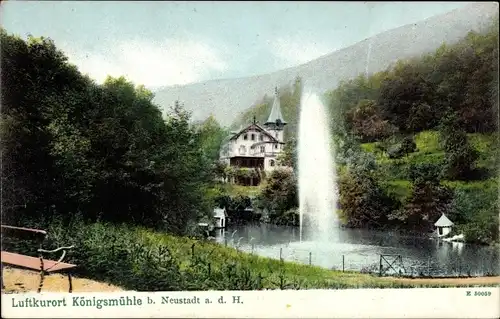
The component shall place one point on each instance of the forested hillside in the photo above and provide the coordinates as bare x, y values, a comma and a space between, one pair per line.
417, 140
227, 98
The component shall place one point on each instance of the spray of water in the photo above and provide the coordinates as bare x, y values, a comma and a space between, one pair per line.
317, 173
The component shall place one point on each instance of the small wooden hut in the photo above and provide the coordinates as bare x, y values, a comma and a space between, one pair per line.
443, 226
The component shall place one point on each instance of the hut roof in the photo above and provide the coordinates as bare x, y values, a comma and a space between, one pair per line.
443, 221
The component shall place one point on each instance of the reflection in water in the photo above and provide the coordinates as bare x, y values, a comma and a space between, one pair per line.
458, 247
362, 249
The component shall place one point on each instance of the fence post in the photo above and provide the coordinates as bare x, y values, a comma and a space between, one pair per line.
342, 263
429, 266
310, 258
192, 250
281, 253
380, 267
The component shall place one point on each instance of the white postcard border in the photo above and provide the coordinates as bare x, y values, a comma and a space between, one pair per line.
474, 302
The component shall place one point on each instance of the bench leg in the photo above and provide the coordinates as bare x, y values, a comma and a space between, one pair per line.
1, 278
42, 278
42, 275
70, 283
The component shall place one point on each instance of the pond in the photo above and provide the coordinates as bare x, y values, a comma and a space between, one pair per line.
361, 250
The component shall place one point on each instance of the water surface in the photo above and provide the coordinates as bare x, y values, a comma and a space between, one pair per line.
360, 250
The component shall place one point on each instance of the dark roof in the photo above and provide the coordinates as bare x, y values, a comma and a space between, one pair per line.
275, 114
254, 126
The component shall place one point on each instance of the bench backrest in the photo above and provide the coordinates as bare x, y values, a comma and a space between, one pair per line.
24, 233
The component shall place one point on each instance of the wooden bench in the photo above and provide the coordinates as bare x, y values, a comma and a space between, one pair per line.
44, 266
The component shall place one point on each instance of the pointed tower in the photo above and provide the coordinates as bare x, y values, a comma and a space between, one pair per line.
275, 122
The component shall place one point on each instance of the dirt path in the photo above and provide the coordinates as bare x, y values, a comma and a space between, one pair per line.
451, 281
17, 280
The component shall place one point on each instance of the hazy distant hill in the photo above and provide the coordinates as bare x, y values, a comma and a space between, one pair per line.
227, 98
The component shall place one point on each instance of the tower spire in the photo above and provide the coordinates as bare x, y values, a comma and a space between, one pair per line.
275, 117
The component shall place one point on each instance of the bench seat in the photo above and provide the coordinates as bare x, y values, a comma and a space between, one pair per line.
33, 263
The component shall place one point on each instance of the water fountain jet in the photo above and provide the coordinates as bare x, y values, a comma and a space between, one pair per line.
317, 173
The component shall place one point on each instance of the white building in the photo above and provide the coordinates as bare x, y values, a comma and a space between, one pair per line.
443, 226
257, 146
220, 216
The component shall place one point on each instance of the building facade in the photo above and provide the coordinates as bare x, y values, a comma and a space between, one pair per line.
257, 146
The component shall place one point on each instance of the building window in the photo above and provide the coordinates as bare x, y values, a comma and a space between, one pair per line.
261, 137
276, 146
271, 162
245, 137
262, 149
243, 150
253, 137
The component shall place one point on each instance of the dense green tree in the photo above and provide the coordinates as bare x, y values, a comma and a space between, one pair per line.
212, 136
280, 192
404, 148
289, 156
367, 123
427, 201
460, 156
72, 146
363, 201
405, 96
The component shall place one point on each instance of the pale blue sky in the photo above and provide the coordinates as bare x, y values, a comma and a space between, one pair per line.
166, 43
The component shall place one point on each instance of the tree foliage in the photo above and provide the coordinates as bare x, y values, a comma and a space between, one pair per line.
280, 193
415, 94
71, 145
460, 155
427, 201
364, 203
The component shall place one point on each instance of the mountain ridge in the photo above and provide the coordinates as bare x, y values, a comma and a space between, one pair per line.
229, 97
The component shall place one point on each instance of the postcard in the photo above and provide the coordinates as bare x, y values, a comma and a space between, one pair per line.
250, 159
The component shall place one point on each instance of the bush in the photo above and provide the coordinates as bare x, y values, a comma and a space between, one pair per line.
482, 231
406, 147
424, 171
364, 202
280, 194
394, 170
467, 202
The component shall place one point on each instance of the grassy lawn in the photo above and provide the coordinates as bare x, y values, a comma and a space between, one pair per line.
273, 270
140, 259
429, 151
401, 189
429, 148
238, 190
